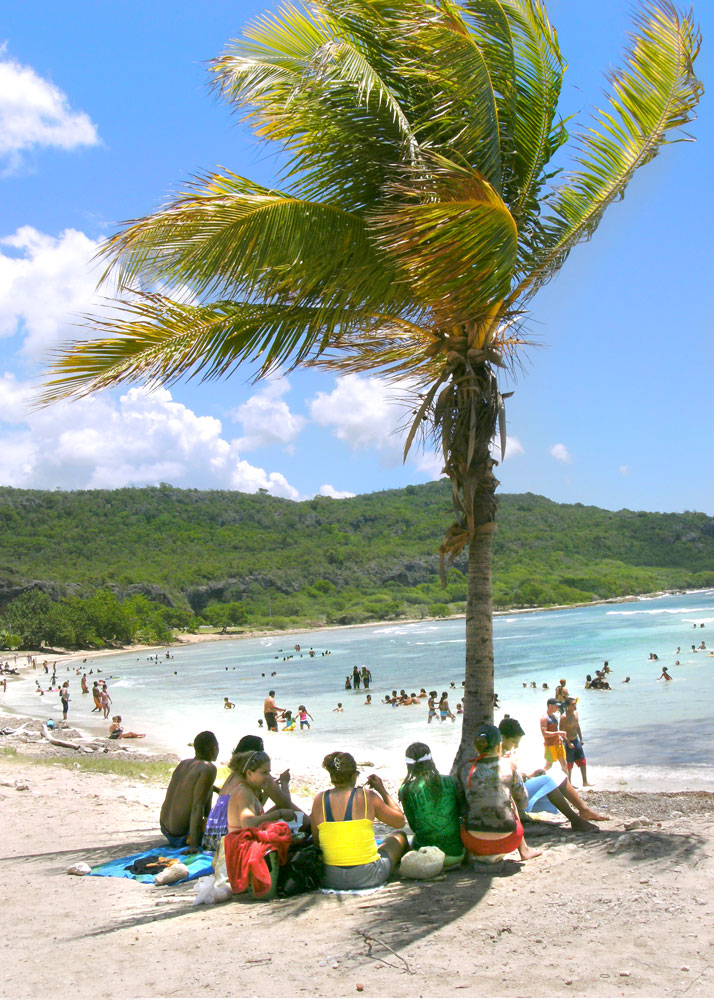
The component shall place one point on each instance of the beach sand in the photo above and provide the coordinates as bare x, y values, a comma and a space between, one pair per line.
595, 915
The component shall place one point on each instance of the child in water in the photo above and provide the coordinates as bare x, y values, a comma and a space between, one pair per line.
303, 716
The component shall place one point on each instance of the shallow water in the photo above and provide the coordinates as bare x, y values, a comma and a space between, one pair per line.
648, 733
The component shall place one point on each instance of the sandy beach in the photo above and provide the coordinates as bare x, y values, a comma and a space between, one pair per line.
626, 911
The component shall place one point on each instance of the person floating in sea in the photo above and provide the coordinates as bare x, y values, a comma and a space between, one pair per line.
339, 705
188, 797
574, 753
270, 711
228, 704
368, 700
553, 748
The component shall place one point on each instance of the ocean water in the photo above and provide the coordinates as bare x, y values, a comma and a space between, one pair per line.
646, 734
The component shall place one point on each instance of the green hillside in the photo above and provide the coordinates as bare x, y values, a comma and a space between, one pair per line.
256, 560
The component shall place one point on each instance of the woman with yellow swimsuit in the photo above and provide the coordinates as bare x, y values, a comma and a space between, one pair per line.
343, 825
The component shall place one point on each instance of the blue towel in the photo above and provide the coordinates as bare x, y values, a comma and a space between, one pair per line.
198, 864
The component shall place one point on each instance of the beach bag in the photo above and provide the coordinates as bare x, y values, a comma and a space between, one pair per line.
303, 871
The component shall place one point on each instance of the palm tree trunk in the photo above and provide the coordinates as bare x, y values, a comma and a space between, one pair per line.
478, 690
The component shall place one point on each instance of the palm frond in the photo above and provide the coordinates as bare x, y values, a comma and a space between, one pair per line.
453, 236
231, 238
656, 94
153, 338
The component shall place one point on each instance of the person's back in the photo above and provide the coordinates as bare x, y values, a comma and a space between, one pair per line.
188, 797
433, 804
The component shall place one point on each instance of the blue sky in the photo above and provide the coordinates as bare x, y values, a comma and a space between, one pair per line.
105, 113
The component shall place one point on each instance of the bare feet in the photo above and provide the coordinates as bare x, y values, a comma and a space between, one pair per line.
527, 853
587, 784
582, 826
591, 814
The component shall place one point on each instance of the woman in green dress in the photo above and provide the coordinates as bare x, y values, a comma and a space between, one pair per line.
433, 804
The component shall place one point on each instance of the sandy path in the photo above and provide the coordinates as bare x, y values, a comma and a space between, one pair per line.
566, 924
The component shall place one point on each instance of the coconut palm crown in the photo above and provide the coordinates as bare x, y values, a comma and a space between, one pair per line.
419, 211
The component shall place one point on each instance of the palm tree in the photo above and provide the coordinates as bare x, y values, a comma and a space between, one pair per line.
419, 214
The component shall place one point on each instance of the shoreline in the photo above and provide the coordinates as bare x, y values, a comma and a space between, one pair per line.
191, 638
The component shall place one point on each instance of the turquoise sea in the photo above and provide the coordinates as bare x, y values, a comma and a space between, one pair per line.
648, 733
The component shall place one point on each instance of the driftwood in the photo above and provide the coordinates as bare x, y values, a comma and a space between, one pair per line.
66, 743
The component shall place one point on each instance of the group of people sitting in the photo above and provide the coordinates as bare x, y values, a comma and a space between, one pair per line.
478, 811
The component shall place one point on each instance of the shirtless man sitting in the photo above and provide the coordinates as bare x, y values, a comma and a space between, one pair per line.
188, 797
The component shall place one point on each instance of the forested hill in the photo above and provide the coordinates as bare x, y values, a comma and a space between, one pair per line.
239, 558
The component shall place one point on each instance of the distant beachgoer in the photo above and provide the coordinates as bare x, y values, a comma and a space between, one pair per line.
83, 682
339, 706
368, 700
188, 796
444, 710
664, 676
431, 704
366, 678
228, 704
495, 700
303, 716
422, 693
116, 732
574, 753
544, 686
356, 677
106, 700
260, 723
702, 645
561, 691
494, 793
343, 827
552, 737
290, 723
626, 680
533, 684
270, 711
64, 698
348, 683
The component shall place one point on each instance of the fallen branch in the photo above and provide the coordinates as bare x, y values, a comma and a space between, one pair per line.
370, 939
58, 743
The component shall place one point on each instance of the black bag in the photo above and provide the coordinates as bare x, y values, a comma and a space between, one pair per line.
302, 872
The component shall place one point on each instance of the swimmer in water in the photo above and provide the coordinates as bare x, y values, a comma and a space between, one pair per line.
228, 704
664, 676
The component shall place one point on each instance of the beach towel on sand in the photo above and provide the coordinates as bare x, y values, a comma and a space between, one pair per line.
198, 864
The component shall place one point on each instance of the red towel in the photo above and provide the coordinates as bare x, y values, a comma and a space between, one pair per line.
245, 855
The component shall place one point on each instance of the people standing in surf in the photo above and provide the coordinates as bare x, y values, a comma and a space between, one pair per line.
574, 753
64, 698
553, 738
431, 704
271, 712
356, 677
444, 710
303, 716
366, 678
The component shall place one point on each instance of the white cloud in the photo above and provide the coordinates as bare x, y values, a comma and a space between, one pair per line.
46, 285
101, 443
560, 452
329, 491
266, 418
369, 413
624, 470
34, 112
364, 413
513, 448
